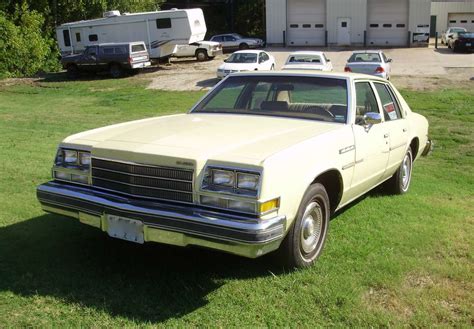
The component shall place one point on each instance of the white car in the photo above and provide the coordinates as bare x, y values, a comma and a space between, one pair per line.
308, 60
372, 62
202, 50
449, 32
246, 60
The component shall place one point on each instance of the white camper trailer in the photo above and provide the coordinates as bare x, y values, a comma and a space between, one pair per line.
160, 30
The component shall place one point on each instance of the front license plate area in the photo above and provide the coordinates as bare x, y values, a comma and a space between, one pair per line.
125, 229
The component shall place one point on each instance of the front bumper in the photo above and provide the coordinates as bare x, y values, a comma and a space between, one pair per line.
164, 223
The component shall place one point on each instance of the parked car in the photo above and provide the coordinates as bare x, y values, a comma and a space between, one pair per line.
246, 60
373, 62
260, 163
113, 57
308, 60
202, 50
459, 41
233, 41
445, 35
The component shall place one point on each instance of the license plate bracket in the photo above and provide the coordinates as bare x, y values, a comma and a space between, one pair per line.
125, 229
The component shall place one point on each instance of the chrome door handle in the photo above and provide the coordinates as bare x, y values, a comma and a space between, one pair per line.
405, 130
385, 136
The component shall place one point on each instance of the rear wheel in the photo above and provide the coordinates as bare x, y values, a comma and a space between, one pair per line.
243, 46
400, 181
116, 71
201, 55
305, 239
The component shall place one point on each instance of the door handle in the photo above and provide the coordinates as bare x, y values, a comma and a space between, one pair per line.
385, 136
405, 130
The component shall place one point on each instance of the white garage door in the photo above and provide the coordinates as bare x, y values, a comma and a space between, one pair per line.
387, 22
465, 20
306, 22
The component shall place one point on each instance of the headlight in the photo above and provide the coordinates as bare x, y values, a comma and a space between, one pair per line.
72, 166
247, 181
84, 159
70, 156
223, 177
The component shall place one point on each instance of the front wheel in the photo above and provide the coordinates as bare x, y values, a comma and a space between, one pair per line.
201, 55
305, 240
72, 72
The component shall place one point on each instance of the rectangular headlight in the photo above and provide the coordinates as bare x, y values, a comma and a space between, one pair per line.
247, 181
84, 159
62, 175
243, 206
83, 179
70, 157
223, 177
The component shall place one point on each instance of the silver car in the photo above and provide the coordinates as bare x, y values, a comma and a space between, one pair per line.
372, 62
233, 41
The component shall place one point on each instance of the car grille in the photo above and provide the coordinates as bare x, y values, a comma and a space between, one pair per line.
152, 182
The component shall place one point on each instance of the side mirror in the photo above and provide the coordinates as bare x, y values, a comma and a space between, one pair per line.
370, 119
225, 60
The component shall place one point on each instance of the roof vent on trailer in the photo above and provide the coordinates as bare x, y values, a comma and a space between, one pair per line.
111, 13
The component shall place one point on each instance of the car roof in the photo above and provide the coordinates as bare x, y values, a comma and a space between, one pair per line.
317, 74
367, 51
249, 51
309, 52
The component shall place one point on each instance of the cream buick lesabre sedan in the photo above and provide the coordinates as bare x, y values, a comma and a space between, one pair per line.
259, 164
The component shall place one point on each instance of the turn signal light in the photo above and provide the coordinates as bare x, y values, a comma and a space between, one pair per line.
269, 205
347, 69
379, 70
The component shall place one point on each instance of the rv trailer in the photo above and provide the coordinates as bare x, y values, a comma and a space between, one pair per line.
160, 30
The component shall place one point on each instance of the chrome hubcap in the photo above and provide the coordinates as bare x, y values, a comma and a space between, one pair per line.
311, 227
406, 171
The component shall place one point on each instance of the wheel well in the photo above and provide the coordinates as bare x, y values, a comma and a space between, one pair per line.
200, 49
415, 145
332, 182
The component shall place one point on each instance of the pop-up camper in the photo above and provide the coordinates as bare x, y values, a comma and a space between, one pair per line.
160, 30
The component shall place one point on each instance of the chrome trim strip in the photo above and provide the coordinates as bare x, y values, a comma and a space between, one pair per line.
349, 165
359, 161
146, 176
397, 146
141, 186
347, 149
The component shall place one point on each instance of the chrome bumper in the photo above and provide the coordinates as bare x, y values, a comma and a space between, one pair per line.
428, 148
165, 223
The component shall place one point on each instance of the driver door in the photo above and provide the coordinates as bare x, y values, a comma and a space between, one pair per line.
371, 141
89, 60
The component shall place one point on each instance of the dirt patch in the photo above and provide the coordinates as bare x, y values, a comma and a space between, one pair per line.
454, 78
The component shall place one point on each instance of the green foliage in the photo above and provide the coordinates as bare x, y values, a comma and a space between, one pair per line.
23, 49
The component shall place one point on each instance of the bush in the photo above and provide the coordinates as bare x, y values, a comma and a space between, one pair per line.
24, 51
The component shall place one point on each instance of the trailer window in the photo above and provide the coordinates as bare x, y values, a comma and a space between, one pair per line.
67, 38
163, 23
78, 37
93, 37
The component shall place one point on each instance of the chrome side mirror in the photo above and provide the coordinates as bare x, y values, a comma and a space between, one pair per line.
370, 119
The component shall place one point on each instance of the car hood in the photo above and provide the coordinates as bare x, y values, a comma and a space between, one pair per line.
234, 138
238, 66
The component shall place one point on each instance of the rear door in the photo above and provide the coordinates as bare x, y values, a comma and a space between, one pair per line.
396, 124
371, 142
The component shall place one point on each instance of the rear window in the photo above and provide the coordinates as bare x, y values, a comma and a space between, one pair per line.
137, 48
364, 58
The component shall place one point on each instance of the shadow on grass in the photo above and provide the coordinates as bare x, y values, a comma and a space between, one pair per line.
56, 256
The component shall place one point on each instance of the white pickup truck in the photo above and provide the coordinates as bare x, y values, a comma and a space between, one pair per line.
202, 50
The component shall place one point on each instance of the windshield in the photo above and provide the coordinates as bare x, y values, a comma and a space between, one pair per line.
365, 58
313, 98
301, 59
242, 58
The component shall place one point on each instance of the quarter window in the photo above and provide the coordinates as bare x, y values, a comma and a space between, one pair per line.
163, 23
366, 101
391, 111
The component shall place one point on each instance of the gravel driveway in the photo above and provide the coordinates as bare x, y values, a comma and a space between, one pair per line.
414, 68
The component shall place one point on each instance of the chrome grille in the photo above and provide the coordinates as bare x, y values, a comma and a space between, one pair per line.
162, 183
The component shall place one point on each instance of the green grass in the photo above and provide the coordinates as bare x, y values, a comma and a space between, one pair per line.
404, 260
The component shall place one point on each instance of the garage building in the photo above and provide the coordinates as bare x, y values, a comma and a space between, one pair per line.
348, 22
446, 14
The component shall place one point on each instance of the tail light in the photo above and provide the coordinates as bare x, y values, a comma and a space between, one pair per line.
379, 69
130, 60
347, 69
